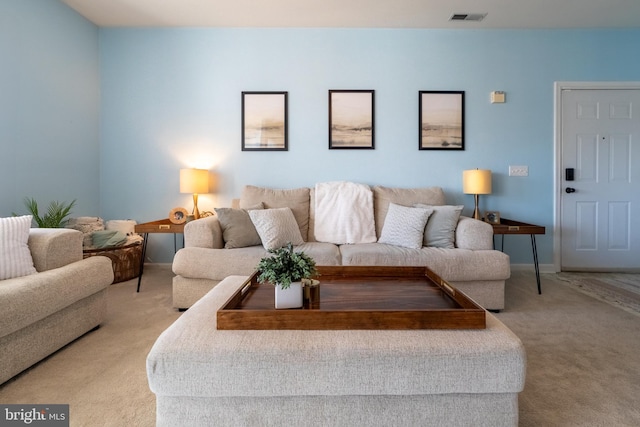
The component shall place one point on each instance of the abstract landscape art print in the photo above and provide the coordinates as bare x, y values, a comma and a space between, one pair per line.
441, 120
264, 121
351, 119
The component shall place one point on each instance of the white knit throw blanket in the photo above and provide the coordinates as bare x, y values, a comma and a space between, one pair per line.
344, 213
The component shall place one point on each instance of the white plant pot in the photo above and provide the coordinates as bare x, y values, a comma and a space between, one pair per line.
290, 297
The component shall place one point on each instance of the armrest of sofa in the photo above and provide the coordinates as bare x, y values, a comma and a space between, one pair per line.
204, 233
474, 234
54, 247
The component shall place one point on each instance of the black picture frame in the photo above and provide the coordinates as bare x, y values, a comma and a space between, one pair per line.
351, 119
265, 121
441, 120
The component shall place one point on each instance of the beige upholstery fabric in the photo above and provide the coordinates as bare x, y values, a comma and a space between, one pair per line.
204, 233
197, 262
404, 226
276, 227
197, 269
193, 362
473, 234
296, 199
382, 196
237, 229
32, 298
42, 312
441, 228
431, 410
445, 262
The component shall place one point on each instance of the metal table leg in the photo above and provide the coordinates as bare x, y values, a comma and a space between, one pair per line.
144, 253
535, 261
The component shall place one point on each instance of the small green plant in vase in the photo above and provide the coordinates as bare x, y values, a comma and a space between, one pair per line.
55, 216
286, 270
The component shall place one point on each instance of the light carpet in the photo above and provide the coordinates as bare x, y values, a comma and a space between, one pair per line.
583, 356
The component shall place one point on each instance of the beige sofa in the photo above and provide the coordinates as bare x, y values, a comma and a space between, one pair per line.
472, 265
42, 312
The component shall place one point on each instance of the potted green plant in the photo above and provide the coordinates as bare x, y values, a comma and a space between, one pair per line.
56, 215
286, 269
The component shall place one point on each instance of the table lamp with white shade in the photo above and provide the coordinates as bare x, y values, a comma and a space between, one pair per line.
476, 182
195, 181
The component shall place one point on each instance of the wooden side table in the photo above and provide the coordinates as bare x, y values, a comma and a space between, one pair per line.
508, 226
160, 226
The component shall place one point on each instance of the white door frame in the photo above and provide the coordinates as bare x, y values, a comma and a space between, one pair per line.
557, 158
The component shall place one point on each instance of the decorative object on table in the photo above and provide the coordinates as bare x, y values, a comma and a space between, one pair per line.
441, 116
492, 217
351, 119
286, 269
56, 215
178, 215
194, 181
476, 182
264, 121
311, 293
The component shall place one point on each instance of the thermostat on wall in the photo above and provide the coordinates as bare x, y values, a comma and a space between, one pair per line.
497, 97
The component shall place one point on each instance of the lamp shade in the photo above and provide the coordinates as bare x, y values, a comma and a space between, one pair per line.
476, 181
194, 181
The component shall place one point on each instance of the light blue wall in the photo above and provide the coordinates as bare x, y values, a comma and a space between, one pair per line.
49, 106
171, 99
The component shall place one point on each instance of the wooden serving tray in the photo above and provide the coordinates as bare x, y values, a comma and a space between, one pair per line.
361, 297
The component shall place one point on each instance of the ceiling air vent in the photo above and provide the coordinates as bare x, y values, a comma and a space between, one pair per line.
477, 17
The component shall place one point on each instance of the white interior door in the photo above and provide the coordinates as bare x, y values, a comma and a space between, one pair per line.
600, 207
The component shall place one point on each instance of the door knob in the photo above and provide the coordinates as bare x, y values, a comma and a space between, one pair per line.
570, 190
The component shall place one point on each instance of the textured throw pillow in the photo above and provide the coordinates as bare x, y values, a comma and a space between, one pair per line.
237, 229
404, 226
15, 257
382, 196
441, 227
276, 227
297, 199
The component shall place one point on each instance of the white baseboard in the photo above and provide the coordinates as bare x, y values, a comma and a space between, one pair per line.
544, 268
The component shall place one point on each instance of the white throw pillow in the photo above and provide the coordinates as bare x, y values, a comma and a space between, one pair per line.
441, 227
276, 227
15, 257
404, 226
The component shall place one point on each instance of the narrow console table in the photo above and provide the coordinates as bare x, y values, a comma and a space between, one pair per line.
160, 226
508, 226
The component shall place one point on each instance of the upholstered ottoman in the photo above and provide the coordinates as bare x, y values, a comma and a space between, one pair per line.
203, 376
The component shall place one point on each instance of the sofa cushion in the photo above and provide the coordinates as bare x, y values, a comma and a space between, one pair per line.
441, 227
216, 264
296, 199
450, 264
238, 230
404, 226
276, 227
382, 196
15, 257
37, 296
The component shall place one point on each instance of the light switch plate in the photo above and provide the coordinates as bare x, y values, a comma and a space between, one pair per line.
518, 170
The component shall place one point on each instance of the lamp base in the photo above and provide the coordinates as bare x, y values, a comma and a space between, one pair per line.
476, 212
195, 212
